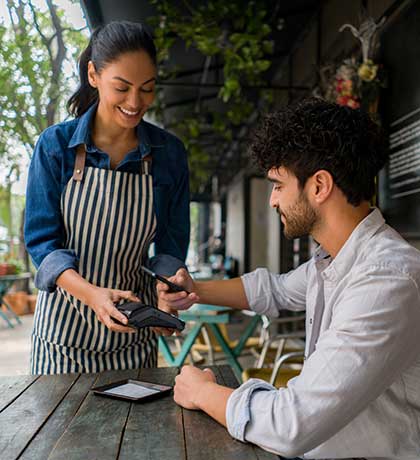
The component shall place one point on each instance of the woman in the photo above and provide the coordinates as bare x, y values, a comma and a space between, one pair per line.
101, 189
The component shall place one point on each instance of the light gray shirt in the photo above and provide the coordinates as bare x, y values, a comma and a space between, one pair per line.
358, 394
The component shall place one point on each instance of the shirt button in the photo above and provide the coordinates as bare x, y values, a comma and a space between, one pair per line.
310, 320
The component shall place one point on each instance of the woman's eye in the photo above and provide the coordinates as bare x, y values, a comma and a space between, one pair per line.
121, 90
146, 90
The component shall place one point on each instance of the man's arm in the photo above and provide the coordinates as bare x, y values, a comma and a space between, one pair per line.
261, 291
229, 293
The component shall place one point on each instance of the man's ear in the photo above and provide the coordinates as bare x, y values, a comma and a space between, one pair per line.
322, 184
92, 75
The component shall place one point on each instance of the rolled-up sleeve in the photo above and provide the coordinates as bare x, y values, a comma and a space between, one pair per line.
267, 293
238, 407
44, 227
374, 323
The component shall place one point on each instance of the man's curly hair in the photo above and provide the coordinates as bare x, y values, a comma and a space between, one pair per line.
315, 135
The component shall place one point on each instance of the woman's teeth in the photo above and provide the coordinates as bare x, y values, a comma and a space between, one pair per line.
128, 112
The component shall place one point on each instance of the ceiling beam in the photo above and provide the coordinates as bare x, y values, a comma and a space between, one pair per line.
220, 85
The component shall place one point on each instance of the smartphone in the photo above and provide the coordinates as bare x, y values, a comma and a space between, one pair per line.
172, 286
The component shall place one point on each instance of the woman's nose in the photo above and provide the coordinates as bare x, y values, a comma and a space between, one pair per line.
134, 100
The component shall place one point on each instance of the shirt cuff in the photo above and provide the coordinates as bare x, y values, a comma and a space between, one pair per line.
52, 266
165, 264
238, 412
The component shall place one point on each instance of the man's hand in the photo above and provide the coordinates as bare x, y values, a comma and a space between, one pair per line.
188, 385
102, 301
164, 330
178, 300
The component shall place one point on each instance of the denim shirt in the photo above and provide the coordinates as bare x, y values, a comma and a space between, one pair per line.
52, 167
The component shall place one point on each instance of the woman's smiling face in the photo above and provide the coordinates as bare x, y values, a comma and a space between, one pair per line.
126, 88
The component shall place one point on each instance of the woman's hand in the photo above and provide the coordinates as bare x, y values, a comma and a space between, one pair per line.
178, 300
102, 301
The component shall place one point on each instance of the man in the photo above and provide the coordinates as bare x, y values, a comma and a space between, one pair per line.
358, 395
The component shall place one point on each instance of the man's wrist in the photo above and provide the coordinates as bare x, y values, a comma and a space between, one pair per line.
197, 288
201, 395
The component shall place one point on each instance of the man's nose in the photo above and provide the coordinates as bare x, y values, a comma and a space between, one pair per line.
273, 201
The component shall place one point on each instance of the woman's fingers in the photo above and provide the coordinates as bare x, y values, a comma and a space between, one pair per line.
163, 331
127, 295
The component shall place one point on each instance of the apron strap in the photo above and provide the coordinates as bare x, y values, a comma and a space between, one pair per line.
79, 164
146, 164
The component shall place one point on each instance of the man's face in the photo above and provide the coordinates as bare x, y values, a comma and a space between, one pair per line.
291, 203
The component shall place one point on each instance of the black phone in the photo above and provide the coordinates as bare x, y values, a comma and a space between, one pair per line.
132, 390
173, 287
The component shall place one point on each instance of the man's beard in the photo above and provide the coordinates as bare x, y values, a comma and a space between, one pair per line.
299, 219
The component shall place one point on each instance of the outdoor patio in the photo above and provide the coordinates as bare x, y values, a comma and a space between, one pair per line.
15, 346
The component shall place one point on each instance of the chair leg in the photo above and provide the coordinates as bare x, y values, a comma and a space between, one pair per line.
4, 316
12, 313
207, 341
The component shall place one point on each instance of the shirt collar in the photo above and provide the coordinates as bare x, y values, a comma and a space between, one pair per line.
345, 258
82, 132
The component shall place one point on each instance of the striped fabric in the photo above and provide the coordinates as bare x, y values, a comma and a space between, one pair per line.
109, 223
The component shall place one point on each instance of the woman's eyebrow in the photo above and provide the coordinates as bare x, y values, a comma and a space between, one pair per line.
129, 82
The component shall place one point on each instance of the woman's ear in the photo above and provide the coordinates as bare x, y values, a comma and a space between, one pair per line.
92, 75
323, 184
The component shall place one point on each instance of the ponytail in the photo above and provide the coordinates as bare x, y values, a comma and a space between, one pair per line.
85, 95
106, 45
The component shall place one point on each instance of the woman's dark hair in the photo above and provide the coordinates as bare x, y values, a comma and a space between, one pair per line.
316, 134
106, 44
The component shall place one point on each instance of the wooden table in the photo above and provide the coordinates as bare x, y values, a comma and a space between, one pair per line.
57, 418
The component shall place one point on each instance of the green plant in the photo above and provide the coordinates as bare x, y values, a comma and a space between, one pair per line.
236, 34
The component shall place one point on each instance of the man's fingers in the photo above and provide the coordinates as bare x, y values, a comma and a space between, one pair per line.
161, 287
177, 296
181, 276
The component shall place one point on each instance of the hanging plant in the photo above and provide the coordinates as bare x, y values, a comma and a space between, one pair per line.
241, 43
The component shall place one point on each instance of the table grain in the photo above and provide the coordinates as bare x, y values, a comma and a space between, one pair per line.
56, 417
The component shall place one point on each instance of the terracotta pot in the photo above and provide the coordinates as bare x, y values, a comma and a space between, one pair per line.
7, 269
32, 302
18, 302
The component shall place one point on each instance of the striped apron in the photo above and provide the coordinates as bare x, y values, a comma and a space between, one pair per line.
109, 222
